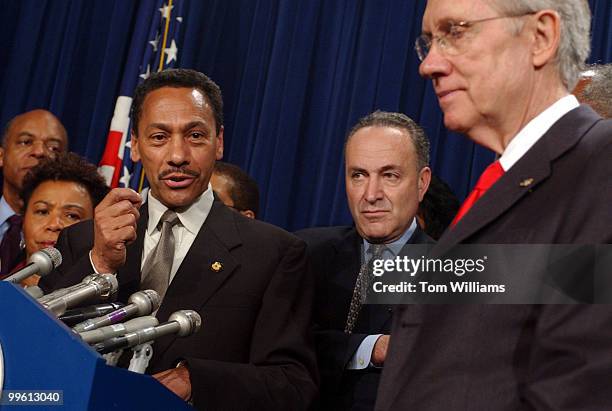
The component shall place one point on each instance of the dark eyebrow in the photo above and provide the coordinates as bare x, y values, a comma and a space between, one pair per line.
51, 138
55, 139
160, 126
188, 126
41, 201
390, 167
67, 206
195, 124
362, 170
25, 134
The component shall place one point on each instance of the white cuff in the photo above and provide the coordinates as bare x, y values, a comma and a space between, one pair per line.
92, 264
363, 356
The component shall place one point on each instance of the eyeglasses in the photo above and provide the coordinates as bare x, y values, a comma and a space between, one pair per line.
454, 38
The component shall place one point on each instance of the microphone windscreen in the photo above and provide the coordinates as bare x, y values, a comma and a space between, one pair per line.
46, 260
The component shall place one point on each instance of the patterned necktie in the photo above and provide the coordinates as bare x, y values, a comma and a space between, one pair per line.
362, 286
157, 266
10, 248
486, 180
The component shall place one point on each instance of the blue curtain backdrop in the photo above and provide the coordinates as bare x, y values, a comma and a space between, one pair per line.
295, 76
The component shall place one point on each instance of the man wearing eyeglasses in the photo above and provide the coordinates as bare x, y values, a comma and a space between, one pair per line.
27, 138
502, 70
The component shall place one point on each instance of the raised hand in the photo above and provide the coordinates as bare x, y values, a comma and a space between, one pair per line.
114, 228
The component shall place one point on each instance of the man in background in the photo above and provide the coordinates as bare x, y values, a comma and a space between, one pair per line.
27, 139
503, 71
595, 88
236, 189
387, 174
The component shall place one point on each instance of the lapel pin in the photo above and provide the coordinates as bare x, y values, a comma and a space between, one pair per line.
526, 182
216, 266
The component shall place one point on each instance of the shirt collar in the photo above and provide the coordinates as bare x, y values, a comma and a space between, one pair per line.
535, 129
192, 218
5, 210
396, 246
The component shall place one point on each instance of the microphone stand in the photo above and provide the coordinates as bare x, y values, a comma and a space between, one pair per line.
112, 357
141, 357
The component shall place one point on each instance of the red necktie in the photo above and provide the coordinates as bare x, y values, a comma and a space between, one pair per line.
486, 180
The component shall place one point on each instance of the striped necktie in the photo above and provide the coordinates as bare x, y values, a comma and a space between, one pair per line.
362, 285
157, 266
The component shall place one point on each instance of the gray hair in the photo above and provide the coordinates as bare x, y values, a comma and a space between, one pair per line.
399, 121
598, 90
575, 41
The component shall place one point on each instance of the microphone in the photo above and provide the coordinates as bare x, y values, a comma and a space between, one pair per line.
34, 291
101, 286
77, 315
63, 291
183, 323
115, 330
42, 262
140, 303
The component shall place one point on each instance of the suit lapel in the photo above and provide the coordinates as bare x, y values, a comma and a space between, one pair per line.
348, 260
206, 267
346, 265
508, 190
419, 237
524, 177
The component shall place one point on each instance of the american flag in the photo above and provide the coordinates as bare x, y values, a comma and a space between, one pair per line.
153, 48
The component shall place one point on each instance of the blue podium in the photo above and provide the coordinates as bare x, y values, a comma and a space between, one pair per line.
41, 354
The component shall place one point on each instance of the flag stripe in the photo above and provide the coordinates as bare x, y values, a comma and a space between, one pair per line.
157, 21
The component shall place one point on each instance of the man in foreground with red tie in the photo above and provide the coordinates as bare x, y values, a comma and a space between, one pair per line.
502, 70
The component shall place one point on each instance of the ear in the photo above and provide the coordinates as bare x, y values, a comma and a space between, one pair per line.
134, 151
248, 213
220, 144
546, 37
423, 183
1, 156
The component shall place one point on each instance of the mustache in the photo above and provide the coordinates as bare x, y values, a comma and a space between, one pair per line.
178, 170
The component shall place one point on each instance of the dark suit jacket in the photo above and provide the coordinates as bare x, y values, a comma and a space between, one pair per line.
253, 350
545, 357
335, 259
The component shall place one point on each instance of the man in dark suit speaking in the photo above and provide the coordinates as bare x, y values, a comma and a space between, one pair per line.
246, 278
502, 70
387, 175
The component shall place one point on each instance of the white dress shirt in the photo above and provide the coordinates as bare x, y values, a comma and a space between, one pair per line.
535, 129
185, 231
